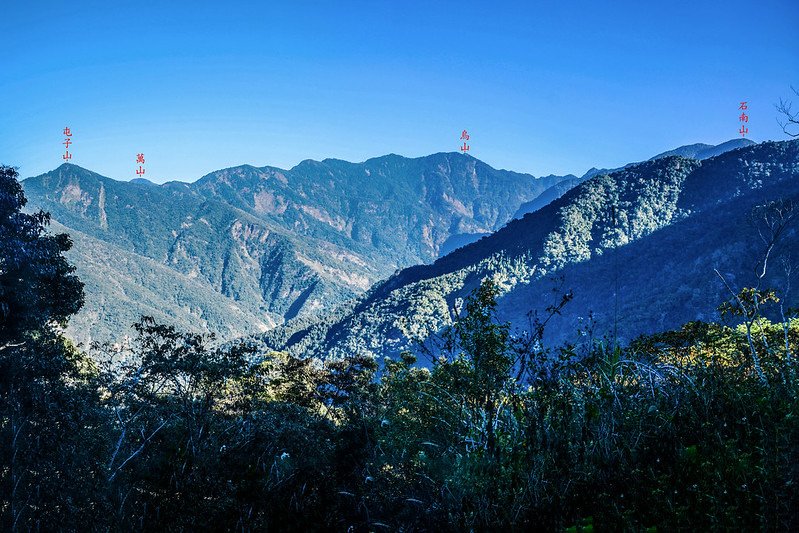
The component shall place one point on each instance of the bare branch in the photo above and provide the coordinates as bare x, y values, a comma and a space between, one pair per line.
790, 122
138, 450
748, 321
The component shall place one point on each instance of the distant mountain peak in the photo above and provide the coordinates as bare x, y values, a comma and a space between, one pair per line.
706, 151
68, 166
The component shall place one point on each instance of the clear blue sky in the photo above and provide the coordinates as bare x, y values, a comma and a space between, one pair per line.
543, 87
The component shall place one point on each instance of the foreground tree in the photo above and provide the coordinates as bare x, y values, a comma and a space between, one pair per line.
46, 403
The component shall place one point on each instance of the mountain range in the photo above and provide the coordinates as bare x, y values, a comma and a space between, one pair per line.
295, 258
244, 249
638, 247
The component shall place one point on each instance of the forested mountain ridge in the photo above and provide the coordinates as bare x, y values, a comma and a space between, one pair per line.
605, 214
694, 151
245, 261
267, 244
406, 208
122, 286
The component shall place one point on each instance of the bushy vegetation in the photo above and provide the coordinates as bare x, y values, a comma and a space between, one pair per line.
690, 429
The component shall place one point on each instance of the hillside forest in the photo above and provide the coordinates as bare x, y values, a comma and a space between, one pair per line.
691, 428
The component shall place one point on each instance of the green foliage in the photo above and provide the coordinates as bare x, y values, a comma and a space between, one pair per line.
675, 431
50, 427
691, 429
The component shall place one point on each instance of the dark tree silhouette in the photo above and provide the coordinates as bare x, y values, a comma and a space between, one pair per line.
43, 407
790, 119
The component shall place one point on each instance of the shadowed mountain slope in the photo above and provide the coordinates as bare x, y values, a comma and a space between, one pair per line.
662, 225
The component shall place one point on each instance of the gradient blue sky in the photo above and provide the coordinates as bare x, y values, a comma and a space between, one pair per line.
543, 87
